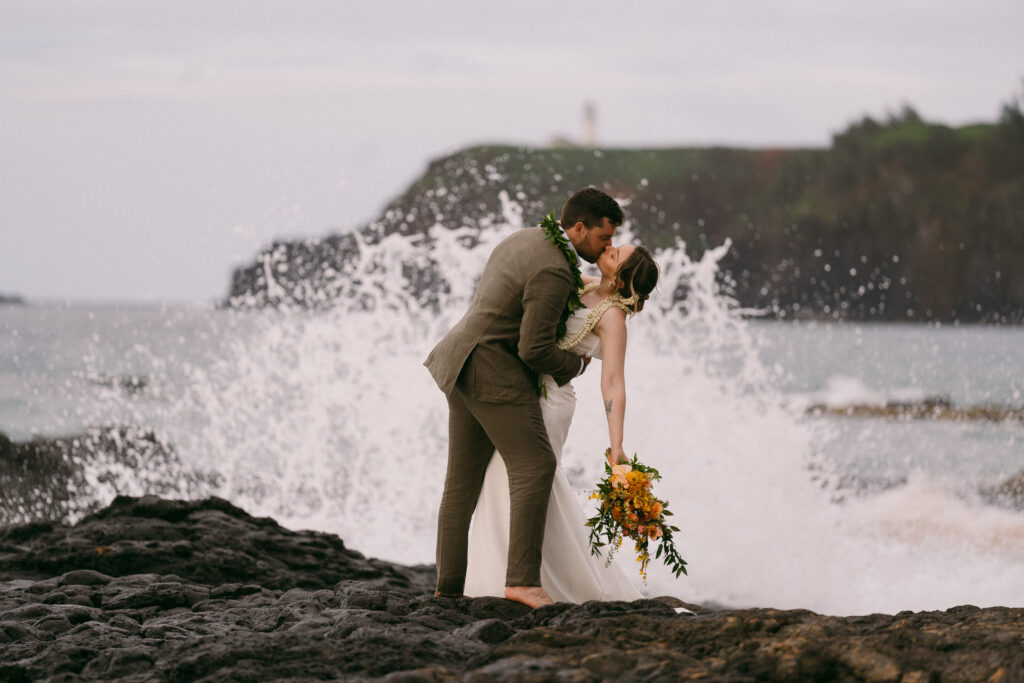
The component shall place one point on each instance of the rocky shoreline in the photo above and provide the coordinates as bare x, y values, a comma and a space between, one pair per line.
929, 409
149, 589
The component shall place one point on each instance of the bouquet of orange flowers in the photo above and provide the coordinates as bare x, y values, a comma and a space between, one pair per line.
629, 510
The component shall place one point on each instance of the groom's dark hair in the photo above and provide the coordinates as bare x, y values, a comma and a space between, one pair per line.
590, 206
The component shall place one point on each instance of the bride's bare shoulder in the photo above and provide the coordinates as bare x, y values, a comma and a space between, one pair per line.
612, 320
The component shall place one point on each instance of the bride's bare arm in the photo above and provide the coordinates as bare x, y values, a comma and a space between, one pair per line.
612, 331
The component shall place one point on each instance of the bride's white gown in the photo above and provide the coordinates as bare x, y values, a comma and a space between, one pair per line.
569, 573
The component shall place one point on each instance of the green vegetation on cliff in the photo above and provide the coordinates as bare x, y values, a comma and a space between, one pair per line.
899, 219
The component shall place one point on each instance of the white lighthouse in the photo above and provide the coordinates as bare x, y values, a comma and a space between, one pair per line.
589, 124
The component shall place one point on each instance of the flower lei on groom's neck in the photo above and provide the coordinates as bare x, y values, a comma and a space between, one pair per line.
557, 236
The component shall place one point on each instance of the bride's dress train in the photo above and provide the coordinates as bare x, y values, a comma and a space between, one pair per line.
569, 573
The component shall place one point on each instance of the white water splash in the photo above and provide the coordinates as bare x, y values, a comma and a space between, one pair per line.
328, 420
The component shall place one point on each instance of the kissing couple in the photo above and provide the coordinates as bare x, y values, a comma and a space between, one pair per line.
506, 368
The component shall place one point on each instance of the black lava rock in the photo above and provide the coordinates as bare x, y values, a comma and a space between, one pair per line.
115, 597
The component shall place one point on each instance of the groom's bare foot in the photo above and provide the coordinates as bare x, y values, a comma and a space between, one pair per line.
531, 596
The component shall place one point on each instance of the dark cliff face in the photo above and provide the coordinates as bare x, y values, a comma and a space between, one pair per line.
900, 220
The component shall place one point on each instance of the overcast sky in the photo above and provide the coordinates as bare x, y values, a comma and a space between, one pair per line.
148, 147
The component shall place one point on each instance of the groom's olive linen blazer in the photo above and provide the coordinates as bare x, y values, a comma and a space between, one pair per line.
507, 336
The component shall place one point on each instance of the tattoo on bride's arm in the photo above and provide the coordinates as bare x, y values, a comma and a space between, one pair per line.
608, 406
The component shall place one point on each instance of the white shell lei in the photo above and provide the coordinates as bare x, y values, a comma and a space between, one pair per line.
595, 315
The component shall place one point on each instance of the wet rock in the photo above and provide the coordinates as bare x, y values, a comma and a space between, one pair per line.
121, 662
13, 631
84, 577
1009, 494
934, 408
426, 675
489, 631
529, 669
280, 615
127, 384
138, 536
64, 478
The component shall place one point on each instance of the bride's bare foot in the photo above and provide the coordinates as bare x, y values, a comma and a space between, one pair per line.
531, 596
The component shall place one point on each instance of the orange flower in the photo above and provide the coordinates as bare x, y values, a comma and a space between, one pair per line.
656, 509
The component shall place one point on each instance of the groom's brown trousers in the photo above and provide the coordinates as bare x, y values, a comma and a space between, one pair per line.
475, 430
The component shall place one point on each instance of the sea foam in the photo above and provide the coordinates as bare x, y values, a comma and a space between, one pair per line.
328, 420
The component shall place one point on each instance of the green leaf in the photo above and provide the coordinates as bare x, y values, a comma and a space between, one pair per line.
556, 236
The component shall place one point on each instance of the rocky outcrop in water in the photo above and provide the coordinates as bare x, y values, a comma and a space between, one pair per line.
151, 589
1009, 493
898, 220
63, 478
929, 409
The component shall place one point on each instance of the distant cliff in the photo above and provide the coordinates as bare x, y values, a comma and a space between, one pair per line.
898, 220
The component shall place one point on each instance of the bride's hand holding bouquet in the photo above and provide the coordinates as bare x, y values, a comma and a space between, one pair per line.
615, 456
628, 509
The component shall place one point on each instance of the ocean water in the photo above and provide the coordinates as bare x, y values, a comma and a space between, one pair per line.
329, 421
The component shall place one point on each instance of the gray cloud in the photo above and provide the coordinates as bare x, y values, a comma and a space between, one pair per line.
149, 145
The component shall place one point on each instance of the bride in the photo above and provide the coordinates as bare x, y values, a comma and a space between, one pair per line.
569, 573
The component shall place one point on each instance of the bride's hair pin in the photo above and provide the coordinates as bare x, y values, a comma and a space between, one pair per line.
639, 276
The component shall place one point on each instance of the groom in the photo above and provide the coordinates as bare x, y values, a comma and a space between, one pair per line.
487, 366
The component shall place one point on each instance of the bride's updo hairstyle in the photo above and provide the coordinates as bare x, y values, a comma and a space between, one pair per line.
639, 276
